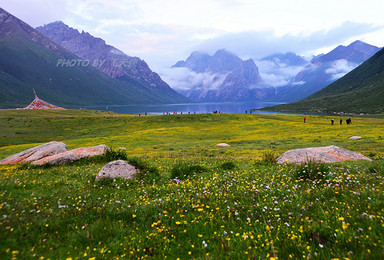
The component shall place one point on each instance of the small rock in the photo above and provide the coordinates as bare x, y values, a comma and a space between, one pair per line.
222, 145
73, 155
116, 169
36, 153
355, 138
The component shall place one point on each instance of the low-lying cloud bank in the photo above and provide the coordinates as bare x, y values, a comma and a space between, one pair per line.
277, 74
274, 74
339, 68
184, 79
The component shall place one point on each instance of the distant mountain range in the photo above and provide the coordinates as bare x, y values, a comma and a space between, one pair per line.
30, 60
325, 69
283, 77
360, 91
69, 68
223, 77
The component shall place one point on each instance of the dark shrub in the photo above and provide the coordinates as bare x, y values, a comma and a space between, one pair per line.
269, 157
376, 167
182, 171
228, 166
312, 171
146, 173
115, 154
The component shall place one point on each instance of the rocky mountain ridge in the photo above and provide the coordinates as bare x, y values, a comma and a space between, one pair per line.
288, 59
325, 69
222, 61
11, 25
233, 79
360, 91
356, 52
107, 58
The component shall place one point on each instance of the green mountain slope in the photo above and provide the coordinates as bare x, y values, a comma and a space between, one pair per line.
30, 60
360, 91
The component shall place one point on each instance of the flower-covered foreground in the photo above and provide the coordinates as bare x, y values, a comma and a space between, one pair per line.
228, 206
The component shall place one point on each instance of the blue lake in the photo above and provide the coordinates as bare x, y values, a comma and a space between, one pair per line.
189, 108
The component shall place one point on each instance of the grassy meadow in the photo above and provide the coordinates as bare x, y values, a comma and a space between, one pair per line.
192, 200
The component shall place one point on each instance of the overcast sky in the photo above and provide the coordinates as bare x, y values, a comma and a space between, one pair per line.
164, 31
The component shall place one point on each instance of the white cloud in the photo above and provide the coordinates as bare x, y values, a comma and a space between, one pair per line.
298, 83
339, 68
36, 12
186, 79
276, 73
274, 80
258, 44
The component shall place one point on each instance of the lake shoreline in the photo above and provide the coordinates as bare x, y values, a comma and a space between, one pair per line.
188, 108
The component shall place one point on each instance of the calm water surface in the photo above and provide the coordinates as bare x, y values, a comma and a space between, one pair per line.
189, 108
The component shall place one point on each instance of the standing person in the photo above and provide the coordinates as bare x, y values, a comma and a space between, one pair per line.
332, 121
341, 121
305, 119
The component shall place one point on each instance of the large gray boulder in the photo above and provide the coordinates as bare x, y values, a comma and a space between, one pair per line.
117, 169
73, 155
327, 154
36, 153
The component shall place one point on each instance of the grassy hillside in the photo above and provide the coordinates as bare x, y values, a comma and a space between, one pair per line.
360, 91
227, 203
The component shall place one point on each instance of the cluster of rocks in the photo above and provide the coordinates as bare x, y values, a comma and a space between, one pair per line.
55, 153
347, 114
36, 153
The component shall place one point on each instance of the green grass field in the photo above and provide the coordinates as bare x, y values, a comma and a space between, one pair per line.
196, 201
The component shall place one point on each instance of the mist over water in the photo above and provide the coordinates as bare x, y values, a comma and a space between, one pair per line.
189, 108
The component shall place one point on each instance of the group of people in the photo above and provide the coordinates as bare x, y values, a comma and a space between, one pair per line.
170, 113
349, 121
